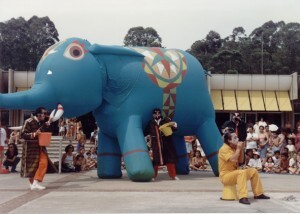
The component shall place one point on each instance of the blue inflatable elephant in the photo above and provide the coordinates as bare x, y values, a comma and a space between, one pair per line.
121, 86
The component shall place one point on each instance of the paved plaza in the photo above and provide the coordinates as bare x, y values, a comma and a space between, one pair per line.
195, 193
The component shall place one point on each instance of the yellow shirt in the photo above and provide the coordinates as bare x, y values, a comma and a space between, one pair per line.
225, 165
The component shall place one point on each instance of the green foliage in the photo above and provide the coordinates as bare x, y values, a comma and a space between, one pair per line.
273, 48
22, 43
139, 36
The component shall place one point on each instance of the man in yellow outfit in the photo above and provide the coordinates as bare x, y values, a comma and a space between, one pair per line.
230, 155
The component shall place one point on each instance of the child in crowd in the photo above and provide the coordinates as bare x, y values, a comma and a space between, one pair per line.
284, 163
255, 162
276, 159
248, 156
90, 163
80, 163
94, 155
198, 162
291, 147
269, 165
292, 164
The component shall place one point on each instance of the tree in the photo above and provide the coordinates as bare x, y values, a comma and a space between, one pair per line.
22, 43
273, 48
204, 49
139, 36
227, 60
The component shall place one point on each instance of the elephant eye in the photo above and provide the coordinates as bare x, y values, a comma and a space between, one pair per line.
75, 51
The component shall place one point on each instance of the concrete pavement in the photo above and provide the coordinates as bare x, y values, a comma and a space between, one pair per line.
195, 193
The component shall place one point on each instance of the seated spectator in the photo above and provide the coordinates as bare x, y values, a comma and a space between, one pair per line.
94, 154
269, 165
292, 164
291, 147
90, 163
68, 159
284, 150
297, 171
248, 156
198, 162
80, 163
284, 163
82, 152
11, 158
276, 158
255, 162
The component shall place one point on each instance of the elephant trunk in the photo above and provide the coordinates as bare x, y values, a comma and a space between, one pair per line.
29, 100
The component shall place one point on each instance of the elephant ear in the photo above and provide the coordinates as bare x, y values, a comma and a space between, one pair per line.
123, 68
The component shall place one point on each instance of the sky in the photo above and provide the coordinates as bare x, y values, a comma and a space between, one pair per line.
178, 22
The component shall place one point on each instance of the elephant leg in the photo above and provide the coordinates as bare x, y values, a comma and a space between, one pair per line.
182, 165
211, 141
109, 157
135, 152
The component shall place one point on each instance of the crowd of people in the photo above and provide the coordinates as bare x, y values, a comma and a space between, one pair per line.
271, 151
276, 151
196, 156
80, 161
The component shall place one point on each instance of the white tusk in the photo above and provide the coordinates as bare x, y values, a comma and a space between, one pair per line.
15, 128
59, 112
52, 114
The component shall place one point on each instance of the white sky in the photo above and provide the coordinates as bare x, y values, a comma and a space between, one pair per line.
179, 22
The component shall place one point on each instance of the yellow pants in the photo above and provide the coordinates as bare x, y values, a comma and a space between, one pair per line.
43, 165
240, 178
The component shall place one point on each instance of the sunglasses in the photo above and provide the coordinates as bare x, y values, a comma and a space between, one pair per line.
156, 113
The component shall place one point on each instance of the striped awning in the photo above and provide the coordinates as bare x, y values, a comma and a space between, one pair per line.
243, 100
216, 97
229, 100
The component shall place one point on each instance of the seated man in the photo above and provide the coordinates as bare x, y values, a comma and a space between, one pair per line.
12, 158
230, 154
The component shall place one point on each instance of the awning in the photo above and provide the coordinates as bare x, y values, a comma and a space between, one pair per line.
229, 100
283, 100
256, 99
216, 97
243, 103
244, 100
270, 100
